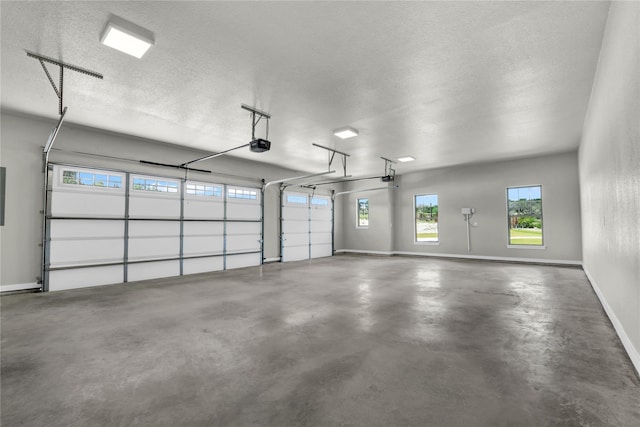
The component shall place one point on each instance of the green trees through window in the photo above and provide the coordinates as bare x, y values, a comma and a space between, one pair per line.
363, 213
525, 215
426, 218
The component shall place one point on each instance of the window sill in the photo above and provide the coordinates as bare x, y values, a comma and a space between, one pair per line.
526, 247
426, 243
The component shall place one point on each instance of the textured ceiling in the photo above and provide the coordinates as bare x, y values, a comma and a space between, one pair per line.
445, 82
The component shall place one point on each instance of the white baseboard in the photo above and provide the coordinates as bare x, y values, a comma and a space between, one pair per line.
19, 287
357, 251
633, 353
478, 257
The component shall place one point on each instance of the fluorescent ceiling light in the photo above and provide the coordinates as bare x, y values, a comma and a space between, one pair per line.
345, 133
406, 159
127, 37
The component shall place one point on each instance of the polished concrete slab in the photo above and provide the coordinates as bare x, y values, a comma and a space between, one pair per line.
341, 341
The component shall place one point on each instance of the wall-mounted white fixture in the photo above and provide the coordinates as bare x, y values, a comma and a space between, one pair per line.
406, 159
127, 37
468, 213
346, 132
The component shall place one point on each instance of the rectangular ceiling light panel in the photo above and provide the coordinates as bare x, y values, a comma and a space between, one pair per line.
127, 37
345, 133
406, 159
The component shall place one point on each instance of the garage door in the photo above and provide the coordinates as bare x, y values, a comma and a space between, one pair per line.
321, 225
109, 227
86, 228
306, 226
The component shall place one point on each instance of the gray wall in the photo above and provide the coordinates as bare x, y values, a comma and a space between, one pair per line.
376, 237
22, 139
609, 159
483, 187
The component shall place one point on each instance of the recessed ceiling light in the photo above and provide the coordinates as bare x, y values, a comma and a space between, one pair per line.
406, 159
127, 37
345, 133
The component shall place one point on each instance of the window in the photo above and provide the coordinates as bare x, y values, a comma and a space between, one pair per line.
151, 184
363, 213
320, 201
91, 179
296, 199
525, 215
203, 190
242, 193
426, 218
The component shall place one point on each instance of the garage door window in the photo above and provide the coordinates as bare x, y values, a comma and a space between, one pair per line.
154, 185
91, 179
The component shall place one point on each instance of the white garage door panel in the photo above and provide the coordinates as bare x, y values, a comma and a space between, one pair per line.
153, 247
295, 227
320, 238
296, 254
320, 214
85, 277
320, 227
203, 209
296, 240
243, 228
66, 253
243, 211
154, 207
65, 229
319, 251
153, 270
154, 228
87, 204
295, 213
243, 243
203, 245
202, 265
245, 260
196, 228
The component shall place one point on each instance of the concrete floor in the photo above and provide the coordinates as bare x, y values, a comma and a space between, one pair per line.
342, 341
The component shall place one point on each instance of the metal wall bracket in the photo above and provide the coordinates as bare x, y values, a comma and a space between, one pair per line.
59, 90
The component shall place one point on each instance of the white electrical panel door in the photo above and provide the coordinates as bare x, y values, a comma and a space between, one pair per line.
320, 224
295, 226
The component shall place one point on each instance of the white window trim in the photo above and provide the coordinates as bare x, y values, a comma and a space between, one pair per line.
286, 201
327, 198
240, 200
534, 247
147, 193
90, 188
509, 245
204, 196
358, 226
415, 231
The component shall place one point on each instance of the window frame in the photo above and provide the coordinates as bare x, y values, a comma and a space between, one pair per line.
358, 213
323, 205
256, 192
205, 196
95, 172
415, 222
510, 245
158, 179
